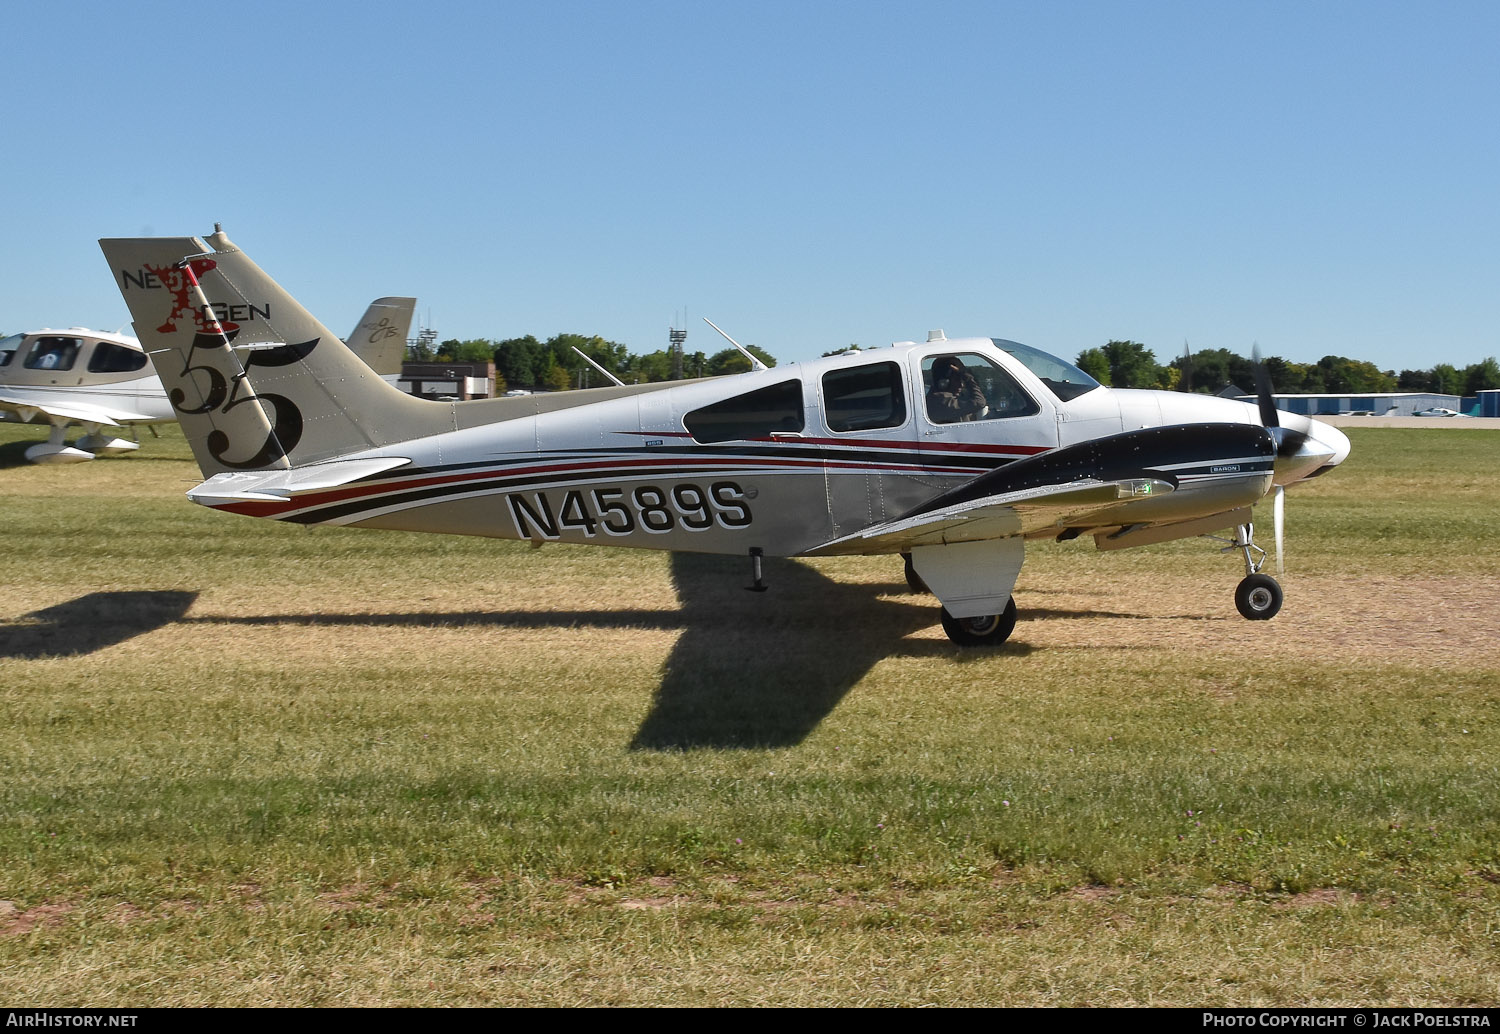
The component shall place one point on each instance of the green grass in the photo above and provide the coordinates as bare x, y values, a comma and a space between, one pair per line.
247, 763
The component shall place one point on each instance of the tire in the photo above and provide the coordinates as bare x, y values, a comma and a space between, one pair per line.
988, 630
1258, 597
913, 580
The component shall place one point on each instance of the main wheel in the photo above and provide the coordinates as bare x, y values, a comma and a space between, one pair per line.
1258, 597
913, 580
986, 630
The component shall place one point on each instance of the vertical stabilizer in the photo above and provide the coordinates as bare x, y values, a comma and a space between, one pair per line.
247, 369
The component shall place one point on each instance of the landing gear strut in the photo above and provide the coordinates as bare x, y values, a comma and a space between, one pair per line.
913, 580
1258, 596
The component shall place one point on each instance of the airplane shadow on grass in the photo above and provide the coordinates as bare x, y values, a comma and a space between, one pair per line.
749, 669
13, 454
763, 669
90, 623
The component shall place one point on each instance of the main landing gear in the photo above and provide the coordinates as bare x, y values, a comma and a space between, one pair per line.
985, 630
1258, 596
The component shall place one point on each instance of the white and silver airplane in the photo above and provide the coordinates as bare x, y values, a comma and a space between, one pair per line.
954, 453
98, 379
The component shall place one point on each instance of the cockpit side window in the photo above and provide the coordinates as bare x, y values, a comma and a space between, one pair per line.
53, 353
109, 357
968, 386
864, 397
755, 414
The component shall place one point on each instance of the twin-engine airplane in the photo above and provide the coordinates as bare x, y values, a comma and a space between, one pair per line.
100, 380
953, 453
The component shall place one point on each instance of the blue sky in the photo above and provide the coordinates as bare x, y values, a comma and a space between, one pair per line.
1316, 177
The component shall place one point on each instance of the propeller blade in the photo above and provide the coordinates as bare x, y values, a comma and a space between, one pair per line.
1264, 394
1278, 522
1185, 381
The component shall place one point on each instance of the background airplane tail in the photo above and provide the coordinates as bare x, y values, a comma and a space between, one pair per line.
380, 336
250, 373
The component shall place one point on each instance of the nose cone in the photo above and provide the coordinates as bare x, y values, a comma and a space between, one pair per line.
1306, 448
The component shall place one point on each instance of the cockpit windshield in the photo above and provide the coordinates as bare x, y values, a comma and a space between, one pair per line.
1062, 378
8, 347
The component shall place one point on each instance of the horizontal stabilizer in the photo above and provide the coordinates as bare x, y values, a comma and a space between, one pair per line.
242, 486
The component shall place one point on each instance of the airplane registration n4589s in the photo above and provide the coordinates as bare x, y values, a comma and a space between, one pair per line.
953, 453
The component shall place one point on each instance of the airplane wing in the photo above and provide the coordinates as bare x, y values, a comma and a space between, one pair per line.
1074, 486
28, 405
995, 517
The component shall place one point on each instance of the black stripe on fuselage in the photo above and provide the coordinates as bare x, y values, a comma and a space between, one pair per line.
1119, 457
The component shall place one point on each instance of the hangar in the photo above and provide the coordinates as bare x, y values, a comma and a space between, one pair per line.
1387, 403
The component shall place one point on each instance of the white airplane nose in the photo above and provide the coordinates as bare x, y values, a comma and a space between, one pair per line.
1334, 439
1306, 447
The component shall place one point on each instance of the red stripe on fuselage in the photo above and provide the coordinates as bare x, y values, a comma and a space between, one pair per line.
258, 508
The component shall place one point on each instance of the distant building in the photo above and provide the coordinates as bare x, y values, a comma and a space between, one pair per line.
1385, 403
448, 380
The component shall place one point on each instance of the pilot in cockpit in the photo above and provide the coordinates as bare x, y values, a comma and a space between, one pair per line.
954, 395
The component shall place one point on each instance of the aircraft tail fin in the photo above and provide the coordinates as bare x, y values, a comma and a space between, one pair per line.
379, 338
247, 369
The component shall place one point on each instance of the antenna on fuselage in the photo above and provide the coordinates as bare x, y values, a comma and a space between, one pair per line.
755, 364
618, 383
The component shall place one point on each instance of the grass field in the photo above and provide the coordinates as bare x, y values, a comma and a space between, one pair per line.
247, 763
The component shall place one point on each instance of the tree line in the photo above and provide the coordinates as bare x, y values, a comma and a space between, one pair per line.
1130, 364
552, 365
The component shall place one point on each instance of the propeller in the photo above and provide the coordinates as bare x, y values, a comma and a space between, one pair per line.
1185, 380
1288, 443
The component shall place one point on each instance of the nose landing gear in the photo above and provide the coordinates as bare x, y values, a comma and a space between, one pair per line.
1258, 596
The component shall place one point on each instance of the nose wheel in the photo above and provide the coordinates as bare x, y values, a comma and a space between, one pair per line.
1258, 596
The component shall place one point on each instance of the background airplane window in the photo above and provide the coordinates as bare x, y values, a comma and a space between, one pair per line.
1003, 397
754, 414
112, 358
53, 353
864, 397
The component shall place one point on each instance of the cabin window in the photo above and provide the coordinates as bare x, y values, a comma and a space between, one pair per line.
53, 353
755, 414
968, 386
8, 347
109, 357
864, 397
